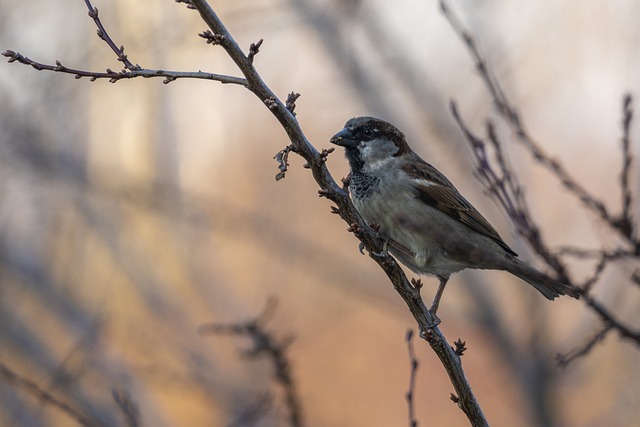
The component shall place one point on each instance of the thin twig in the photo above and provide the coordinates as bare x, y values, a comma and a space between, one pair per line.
102, 33
264, 343
526, 227
130, 70
565, 359
507, 191
626, 221
30, 387
609, 319
412, 378
127, 406
114, 76
254, 411
512, 117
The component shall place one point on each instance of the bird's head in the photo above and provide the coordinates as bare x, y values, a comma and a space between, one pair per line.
370, 143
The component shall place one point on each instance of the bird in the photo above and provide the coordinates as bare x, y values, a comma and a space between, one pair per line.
423, 219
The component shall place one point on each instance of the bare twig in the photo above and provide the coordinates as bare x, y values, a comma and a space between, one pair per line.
512, 118
507, 191
605, 257
127, 406
256, 410
412, 378
264, 343
102, 33
565, 359
605, 315
525, 226
625, 223
130, 70
33, 389
114, 76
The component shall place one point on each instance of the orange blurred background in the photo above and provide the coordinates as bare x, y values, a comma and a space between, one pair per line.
133, 213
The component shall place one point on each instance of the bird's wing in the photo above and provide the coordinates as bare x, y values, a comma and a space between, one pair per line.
437, 191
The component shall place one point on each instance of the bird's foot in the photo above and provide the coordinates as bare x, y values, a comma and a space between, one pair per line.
436, 319
426, 333
384, 252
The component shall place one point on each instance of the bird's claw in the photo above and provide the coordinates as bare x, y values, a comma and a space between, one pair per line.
425, 334
385, 250
436, 319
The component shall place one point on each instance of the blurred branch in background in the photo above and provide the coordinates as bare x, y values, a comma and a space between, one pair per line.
410, 396
503, 186
265, 344
622, 223
35, 391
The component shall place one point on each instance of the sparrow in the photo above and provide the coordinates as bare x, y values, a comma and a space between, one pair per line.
423, 219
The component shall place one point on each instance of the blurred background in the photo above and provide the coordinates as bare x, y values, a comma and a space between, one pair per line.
133, 213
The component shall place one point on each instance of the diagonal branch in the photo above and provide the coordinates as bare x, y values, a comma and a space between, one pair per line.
565, 359
330, 189
30, 387
102, 33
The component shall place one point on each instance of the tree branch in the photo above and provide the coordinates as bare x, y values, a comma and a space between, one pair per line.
410, 396
114, 76
265, 343
30, 387
130, 70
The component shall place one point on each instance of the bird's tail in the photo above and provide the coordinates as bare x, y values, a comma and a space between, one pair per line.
547, 286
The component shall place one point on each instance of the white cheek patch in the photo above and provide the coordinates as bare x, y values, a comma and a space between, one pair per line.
377, 154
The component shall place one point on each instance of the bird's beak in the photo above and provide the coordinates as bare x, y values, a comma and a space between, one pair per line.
344, 138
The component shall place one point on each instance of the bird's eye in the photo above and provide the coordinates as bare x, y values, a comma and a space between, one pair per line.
367, 132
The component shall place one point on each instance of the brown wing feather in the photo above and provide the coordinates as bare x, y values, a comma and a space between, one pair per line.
442, 195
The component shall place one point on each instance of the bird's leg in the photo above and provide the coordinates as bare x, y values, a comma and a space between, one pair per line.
385, 243
436, 299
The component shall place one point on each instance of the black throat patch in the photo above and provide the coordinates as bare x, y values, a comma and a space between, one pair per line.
355, 159
363, 185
